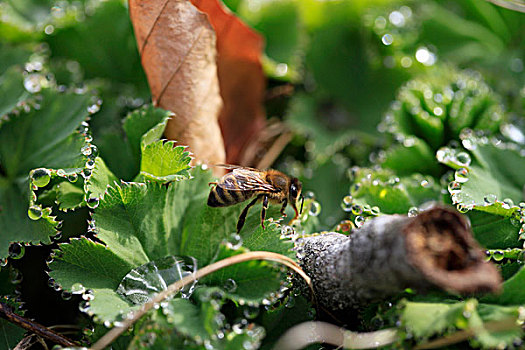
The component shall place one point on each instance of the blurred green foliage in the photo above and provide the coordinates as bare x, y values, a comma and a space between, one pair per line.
396, 106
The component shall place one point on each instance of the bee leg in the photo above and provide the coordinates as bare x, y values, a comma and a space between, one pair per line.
212, 183
240, 223
285, 203
263, 211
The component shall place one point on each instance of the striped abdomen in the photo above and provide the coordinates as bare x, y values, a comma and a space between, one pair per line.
220, 197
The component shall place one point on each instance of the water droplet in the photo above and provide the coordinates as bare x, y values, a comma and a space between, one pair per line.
90, 164
86, 173
287, 232
498, 255
73, 177
34, 212
315, 209
235, 241
86, 150
357, 209
92, 202
230, 285
33, 83
354, 189
463, 159
88, 295
3, 262
251, 312
462, 208
15, 276
387, 39
490, 199
359, 221
508, 203
78, 288
346, 204
461, 175
414, 211
375, 210
16, 251
488, 255
94, 108
41, 177
66, 295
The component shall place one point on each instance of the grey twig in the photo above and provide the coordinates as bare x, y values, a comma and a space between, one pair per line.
393, 252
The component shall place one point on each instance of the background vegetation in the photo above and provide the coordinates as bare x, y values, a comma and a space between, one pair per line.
395, 104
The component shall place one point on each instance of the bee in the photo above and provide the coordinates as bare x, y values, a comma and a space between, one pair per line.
267, 186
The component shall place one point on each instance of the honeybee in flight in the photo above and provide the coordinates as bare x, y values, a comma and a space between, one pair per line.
267, 186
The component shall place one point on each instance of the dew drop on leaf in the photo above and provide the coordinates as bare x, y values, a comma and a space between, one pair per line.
315, 209
78, 288
94, 108
88, 295
41, 177
34, 212
230, 285
16, 251
66, 295
33, 83
414, 211
15, 276
488, 255
346, 203
508, 203
463, 159
490, 199
498, 255
235, 241
72, 177
461, 175
86, 150
357, 209
143, 282
92, 202
359, 221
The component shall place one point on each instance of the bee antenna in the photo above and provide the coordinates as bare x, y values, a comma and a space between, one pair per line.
302, 202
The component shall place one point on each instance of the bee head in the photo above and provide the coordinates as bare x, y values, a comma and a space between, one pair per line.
294, 193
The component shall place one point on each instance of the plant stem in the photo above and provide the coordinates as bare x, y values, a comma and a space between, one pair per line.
114, 333
391, 253
36, 328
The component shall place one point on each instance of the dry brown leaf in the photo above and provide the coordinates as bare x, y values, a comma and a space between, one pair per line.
241, 79
178, 52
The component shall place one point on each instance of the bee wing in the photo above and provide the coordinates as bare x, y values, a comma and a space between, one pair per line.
245, 179
233, 167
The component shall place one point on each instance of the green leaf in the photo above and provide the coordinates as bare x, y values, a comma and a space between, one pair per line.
246, 282
145, 126
101, 177
513, 293
10, 335
425, 320
393, 195
163, 161
45, 136
488, 179
140, 223
12, 90
412, 156
117, 54
69, 196
121, 144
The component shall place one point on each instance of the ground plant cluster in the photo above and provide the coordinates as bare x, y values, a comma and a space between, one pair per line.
388, 107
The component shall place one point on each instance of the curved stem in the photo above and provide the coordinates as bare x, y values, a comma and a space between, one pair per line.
114, 333
312, 332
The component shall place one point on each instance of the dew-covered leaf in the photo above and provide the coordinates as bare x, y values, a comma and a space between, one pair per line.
425, 320
433, 110
164, 162
248, 281
141, 223
42, 136
142, 283
488, 178
391, 194
10, 334
45, 136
